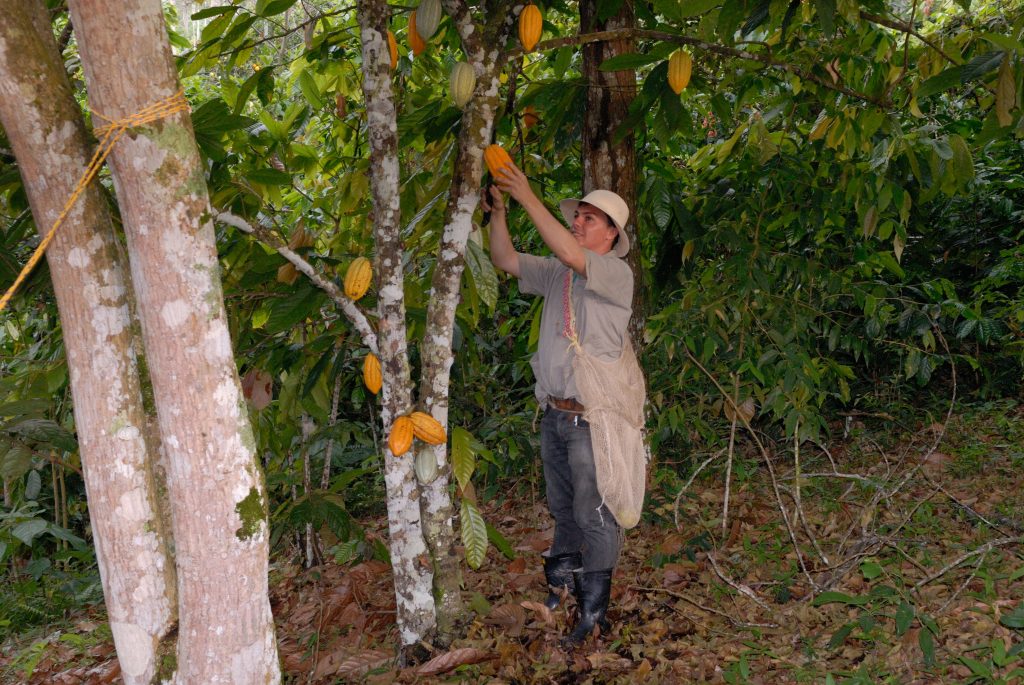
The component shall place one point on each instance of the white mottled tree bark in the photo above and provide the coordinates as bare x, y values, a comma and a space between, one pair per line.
484, 49
44, 124
218, 500
415, 603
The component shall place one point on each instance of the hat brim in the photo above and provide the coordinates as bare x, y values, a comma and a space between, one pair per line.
568, 207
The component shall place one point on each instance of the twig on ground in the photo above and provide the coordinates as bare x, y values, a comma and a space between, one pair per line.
738, 587
679, 495
956, 593
984, 549
710, 610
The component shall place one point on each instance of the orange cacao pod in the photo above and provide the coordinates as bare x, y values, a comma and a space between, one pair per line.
680, 64
495, 157
393, 49
400, 439
371, 373
530, 117
427, 18
357, 278
416, 42
427, 428
530, 25
462, 83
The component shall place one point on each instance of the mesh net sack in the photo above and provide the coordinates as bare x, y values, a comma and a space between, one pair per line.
613, 394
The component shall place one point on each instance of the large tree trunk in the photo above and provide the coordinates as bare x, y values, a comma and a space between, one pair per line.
475, 133
607, 164
44, 124
226, 632
415, 604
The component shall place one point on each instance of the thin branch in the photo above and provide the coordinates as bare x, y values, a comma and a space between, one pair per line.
908, 29
679, 495
984, 549
626, 34
738, 587
347, 306
710, 610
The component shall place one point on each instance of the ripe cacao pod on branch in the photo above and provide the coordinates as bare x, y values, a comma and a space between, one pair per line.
400, 439
371, 373
495, 157
680, 64
357, 278
462, 83
393, 50
417, 44
530, 25
428, 16
427, 428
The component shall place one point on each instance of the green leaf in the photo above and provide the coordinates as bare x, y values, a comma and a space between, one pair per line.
839, 637
832, 597
982, 64
926, 642
270, 8
1014, 619
43, 431
271, 177
826, 16
307, 84
630, 60
16, 462
606, 9
870, 570
500, 543
33, 485
1006, 92
693, 8
485, 278
463, 459
29, 530
904, 617
293, 308
950, 78
208, 12
474, 534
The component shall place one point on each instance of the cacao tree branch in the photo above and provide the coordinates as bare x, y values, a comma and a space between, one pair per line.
353, 313
908, 28
768, 60
469, 32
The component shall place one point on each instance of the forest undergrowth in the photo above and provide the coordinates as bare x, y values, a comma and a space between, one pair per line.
891, 555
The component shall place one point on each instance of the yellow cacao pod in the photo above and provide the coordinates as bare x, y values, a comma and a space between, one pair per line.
495, 157
462, 83
417, 44
427, 428
287, 273
428, 16
400, 439
393, 49
530, 117
357, 278
680, 64
530, 25
371, 373
426, 466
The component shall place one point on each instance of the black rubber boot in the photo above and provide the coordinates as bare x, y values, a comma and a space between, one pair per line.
558, 570
593, 589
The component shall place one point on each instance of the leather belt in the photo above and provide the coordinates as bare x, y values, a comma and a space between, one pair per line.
569, 404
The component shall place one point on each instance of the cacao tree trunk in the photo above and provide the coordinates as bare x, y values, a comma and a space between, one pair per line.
608, 164
475, 134
415, 604
219, 505
119, 457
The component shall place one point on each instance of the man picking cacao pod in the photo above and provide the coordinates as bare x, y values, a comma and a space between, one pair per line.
587, 382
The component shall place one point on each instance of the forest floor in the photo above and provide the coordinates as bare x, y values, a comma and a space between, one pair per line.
910, 570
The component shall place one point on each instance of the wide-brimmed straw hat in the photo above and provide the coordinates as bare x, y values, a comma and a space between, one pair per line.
609, 203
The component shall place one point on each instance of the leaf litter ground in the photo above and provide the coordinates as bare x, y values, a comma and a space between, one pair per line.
909, 570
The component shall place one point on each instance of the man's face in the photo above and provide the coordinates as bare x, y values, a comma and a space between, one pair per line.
593, 229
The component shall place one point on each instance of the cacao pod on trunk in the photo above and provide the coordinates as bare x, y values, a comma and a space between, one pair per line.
427, 428
400, 439
680, 64
462, 83
428, 16
417, 44
495, 157
426, 466
371, 373
393, 49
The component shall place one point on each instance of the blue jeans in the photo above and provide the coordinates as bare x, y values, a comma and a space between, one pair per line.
582, 522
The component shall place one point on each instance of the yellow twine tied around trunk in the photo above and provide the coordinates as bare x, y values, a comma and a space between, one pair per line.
108, 134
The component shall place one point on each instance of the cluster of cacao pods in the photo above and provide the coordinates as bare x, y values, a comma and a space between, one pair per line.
300, 238
357, 278
419, 425
680, 65
530, 26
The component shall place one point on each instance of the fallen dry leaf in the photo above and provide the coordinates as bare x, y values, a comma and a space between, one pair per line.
453, 659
